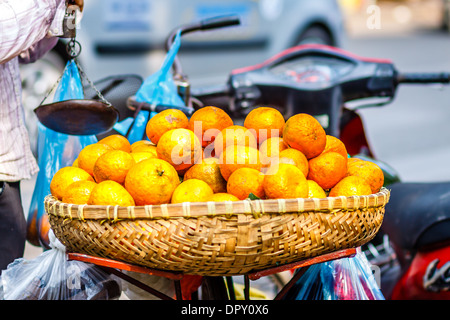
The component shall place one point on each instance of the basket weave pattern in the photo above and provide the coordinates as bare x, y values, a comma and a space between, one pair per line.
223, 238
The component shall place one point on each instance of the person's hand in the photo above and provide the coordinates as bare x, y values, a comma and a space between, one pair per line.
78, 3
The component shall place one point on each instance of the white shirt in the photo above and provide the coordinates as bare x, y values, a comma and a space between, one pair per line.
27, 31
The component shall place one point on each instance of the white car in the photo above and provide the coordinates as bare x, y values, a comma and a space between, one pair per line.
128, 37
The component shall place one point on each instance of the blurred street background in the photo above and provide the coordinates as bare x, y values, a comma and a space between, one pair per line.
412, 133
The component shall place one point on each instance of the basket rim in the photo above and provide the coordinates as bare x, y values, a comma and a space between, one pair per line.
257, 208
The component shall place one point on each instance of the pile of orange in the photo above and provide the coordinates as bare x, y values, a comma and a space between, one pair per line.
210, 158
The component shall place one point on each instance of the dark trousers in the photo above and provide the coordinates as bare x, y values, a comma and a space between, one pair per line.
13, 226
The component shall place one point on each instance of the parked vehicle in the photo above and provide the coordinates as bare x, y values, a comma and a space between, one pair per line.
130, 36
412, 247
446, 15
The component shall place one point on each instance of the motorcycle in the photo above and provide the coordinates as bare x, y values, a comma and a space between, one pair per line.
412, 249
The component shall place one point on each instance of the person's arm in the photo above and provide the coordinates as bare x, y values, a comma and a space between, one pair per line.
23, 23
37, 50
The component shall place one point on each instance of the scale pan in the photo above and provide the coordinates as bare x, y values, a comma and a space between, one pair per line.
78, 117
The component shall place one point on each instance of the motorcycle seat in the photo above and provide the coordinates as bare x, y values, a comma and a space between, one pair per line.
418, 214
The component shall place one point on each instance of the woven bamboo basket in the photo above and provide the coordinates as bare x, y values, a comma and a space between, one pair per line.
218, 238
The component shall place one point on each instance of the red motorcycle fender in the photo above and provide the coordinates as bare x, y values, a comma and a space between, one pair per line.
353, 134
427, 278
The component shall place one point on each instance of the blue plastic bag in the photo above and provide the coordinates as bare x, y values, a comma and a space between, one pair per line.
341, 279
55, 151
157, 89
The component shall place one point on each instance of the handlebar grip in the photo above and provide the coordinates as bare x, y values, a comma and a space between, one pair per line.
133, 105
219, 22
188, 111
211, 91
442, 77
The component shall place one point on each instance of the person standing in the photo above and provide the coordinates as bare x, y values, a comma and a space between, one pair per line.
28, 30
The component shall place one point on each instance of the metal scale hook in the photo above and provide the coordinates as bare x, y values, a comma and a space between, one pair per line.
73, 47
77, 116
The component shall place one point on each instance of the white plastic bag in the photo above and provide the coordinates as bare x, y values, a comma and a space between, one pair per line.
50, 276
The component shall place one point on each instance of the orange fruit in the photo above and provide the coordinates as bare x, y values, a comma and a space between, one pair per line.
208, 170
244, 181
235, 157
298, 157
110, 193
144, 147
44, 228
139, 143
327, 169
271, 148
164, 121
89, 155
209, 152
234, 136
180, 147
207, 122
152, 181
352, 160
78, 192
222, 196
75, 163
275, 162
113, 165
117, 142
192, 190
139, 156
65, 177
314, 190
335, 145
304, 133
265, 122
32, 229
370, 172
350, 186
285, 181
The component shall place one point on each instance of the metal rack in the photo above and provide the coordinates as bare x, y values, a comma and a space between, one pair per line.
116, 267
